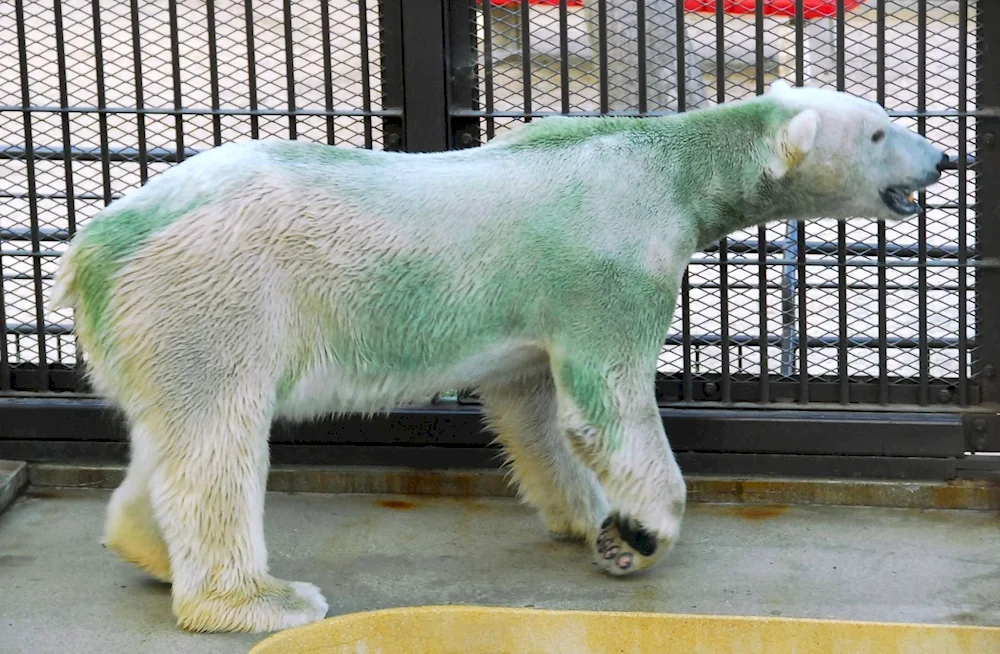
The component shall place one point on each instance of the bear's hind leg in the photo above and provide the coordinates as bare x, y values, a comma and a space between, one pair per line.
548, 475
131, 529
207, 490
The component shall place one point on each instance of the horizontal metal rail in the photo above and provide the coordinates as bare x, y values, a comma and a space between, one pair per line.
127, 154
990, 263
857, 342
860, 248
116, 155
985, 112
94, 197
983, 263
739, 286
900, 250
207, 111
698, 340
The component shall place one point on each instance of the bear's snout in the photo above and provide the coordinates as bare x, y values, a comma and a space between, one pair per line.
943, 163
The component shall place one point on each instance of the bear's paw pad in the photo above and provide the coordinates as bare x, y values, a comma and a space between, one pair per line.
623, 546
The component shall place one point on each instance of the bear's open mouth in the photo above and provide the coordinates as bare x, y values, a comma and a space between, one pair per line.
901, 199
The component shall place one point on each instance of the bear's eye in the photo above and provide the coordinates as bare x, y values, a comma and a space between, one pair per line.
878, 136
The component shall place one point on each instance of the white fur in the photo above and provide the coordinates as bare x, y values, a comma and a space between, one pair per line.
303, 281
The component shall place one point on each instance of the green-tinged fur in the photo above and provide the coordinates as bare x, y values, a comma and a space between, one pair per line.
107, 245
541, 264
110, 240
270, 279
571, 233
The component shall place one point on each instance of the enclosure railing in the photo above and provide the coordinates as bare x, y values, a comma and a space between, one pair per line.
788, 340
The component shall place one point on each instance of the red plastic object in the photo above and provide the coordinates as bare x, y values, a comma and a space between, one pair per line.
811, 9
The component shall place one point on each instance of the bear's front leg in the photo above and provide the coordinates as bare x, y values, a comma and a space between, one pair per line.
610, 416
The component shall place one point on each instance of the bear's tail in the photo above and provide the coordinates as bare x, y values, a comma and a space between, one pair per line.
64, 287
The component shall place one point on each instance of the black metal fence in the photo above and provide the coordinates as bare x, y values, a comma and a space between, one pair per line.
821, 348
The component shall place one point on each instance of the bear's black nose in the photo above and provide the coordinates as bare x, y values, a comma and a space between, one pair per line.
943, 163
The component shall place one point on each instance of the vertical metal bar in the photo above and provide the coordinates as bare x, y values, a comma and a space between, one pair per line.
140, 100
213, 71
426, 25
687, 377
175, 73
680, 35
924, 394
688, 381
602, 52
793, 277
720, 53
102, 118
5, 380
841, 46
883, 293
800, 232
720, 96
459, 85
366, 85
800, 40
765, 378
252, 70
788, 319
759, 48
842, 335
390, 24
324, 22
293, 127
803, 329
842, 327
564, 54
64, 116
640, 20
727, 385
491, 127
987, 194
42, 375
67, 144
963, 238
526, 59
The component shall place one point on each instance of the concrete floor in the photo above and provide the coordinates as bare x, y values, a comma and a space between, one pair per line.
60, 591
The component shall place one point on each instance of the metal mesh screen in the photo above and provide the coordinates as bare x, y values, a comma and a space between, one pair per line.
98, 96
828, 311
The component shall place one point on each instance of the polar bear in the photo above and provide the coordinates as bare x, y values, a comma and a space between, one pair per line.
277, 278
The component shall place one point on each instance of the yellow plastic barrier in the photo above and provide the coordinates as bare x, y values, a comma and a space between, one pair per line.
485, 630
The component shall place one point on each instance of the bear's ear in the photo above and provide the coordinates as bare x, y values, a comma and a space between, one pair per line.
778, 85
795, 139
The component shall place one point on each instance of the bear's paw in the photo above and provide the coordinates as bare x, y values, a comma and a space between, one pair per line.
623, 546
265, 605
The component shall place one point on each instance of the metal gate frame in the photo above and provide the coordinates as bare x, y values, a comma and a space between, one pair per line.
722, 425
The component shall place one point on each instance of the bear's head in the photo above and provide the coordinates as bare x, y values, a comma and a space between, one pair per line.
842, 155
